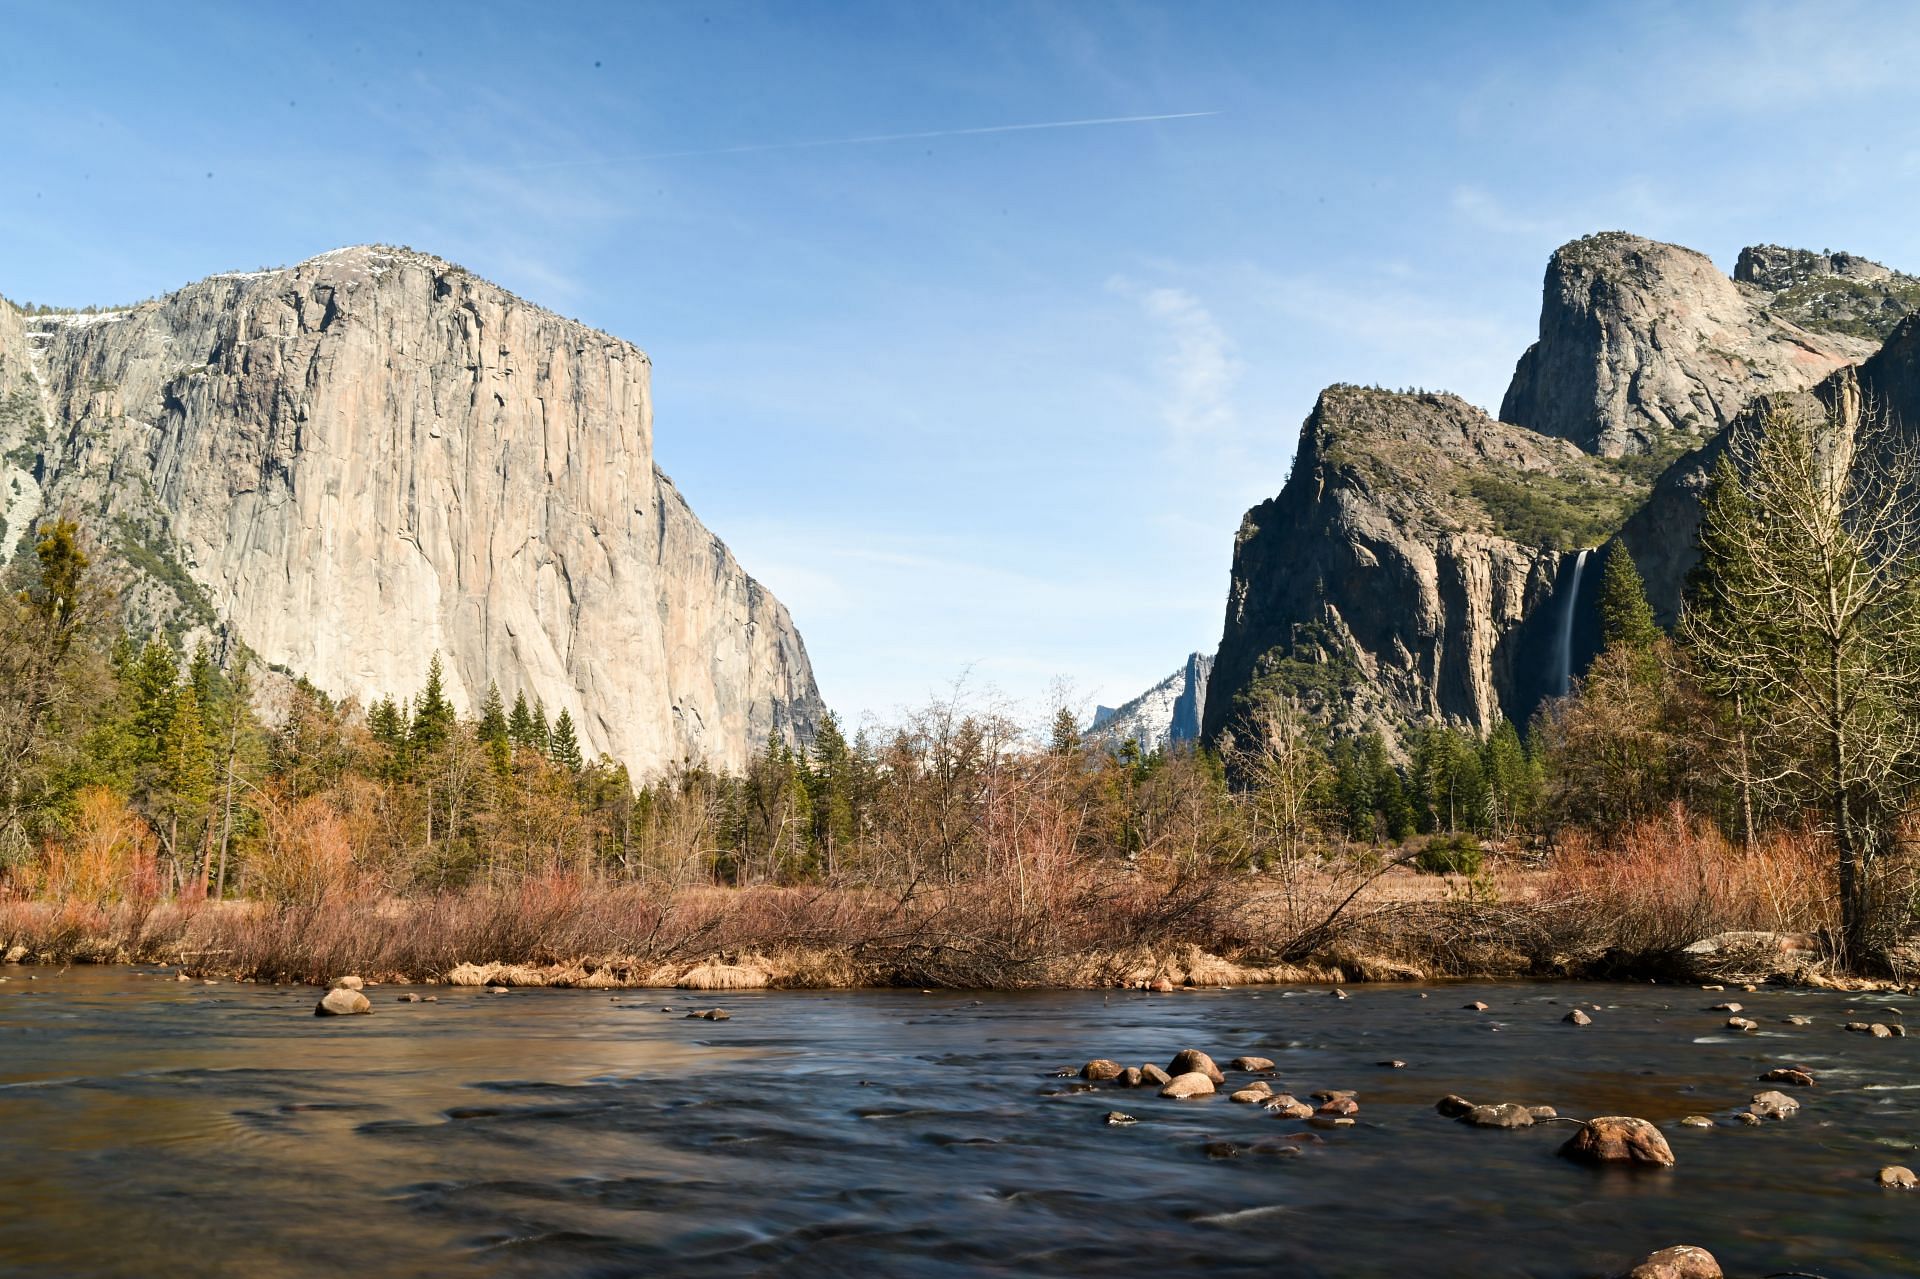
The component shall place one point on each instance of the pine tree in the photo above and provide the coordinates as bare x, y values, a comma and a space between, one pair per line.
564, 749
494, 733
540, 734
1066, 733
1509, 778
520, 722
834, 785
151, 693
432, 714
1626, 619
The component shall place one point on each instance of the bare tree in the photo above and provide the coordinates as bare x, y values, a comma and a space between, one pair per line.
1812, 619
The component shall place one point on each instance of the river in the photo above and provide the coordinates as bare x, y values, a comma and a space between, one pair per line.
153, 1127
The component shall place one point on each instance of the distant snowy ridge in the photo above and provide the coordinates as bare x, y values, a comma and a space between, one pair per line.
1164, 715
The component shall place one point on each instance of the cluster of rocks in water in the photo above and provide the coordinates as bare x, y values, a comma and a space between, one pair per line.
346, 997
1604, 1140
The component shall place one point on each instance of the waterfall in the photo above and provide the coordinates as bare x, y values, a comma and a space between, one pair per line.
1566, 625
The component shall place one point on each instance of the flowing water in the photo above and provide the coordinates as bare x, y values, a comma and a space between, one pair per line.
1566, 624
150, 1127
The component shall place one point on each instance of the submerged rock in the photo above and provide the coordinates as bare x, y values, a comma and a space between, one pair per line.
1773, 1105
1619, 1139
1682, 1261
1507, 1114
1696, 1121
1742, 1024
1119, 1119
1476, 1006
342, 1003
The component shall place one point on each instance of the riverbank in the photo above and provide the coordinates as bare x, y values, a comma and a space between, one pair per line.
1119, 930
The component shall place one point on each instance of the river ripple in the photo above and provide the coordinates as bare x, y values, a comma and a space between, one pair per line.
150, 1127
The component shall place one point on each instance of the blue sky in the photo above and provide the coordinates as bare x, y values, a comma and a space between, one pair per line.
986, 402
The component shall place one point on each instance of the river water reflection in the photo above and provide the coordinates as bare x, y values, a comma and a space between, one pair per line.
151, 1127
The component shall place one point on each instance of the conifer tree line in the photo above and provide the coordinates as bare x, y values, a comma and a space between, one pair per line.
1787, 698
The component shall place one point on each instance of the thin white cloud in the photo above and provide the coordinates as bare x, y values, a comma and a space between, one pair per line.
1197, 365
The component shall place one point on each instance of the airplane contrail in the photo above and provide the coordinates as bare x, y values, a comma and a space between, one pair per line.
897, 137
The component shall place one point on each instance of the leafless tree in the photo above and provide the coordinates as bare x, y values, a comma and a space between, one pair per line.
1812, 618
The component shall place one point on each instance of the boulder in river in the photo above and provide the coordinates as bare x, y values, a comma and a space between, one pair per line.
1190, 1084
1453, 1105
1728, 1007
1796, 1020
1879, 1031
1119, 1119
1131, 1077
1507, 1114
347, 983
1288, 1107
1100, 1069
1895, 1177
1251, 1063
1477, 1006
1152, 1074
1619, 1139
1797, 1076
1160, 986
342, 1003
1577, 1018
1542, 1112
1682, 1261
1773, 1105
1192, 1061
1339, 1106
1253, 1092
1696, 1121
1742, 1024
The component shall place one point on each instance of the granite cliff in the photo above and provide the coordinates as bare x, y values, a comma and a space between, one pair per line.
1423, 560
375, 455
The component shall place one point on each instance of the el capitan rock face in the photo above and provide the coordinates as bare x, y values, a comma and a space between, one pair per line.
373, 456
1421, 561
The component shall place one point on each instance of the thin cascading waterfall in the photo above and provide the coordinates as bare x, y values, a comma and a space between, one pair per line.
1566, 625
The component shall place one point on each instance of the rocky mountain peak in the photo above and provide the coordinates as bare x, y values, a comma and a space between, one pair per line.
1647, 348
1774, 267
